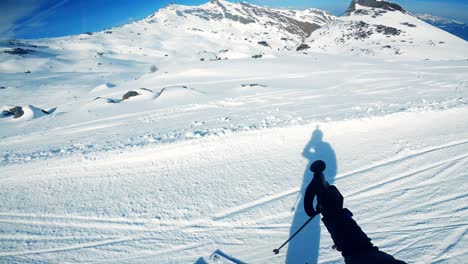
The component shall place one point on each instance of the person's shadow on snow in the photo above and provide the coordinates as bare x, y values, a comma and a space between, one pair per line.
304, 248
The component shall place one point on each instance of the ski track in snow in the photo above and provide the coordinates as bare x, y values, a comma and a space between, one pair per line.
218, 164
214, 152
417, 169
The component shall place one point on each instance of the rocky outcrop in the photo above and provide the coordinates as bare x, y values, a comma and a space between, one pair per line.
303, 46
129, 94
374, 4
301, 24
19, 111
18, 51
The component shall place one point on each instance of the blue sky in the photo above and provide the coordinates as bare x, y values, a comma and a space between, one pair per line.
51, 18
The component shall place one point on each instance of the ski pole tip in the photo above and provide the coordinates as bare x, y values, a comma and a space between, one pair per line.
276, 251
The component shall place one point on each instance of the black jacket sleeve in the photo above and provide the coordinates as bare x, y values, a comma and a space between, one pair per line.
353, 243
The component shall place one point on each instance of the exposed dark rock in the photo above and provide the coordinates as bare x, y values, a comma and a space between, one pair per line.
252, 85
27, 72
235, 17
293, 26
21, 44
408, 24
108, 32
153, 68
246, 14
202, 13
374, 4
303, 46
258, 56
2, 87
88, 33
129, 94
362, 30
196, 29
370, 12
391, 31
16, 111
19, 51
263, 43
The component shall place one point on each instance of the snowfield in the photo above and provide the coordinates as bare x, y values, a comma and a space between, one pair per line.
219, 165
115, 161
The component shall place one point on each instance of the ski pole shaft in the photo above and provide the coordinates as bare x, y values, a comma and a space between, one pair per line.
276, 251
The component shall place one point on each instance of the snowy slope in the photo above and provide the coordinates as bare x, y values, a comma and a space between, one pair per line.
219, 164
166, 164
179, 202
370, 30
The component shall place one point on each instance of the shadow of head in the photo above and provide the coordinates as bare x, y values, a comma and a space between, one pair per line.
317, 135
317, 149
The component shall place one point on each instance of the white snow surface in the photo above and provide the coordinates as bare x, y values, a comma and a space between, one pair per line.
214, 154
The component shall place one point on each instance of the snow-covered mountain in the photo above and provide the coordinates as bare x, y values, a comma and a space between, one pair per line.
223, 30
212, 31
383, 29
457, 28
300, 23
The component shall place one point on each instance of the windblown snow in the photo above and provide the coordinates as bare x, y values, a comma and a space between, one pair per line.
192, 131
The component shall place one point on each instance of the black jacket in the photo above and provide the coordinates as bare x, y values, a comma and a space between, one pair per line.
355, 246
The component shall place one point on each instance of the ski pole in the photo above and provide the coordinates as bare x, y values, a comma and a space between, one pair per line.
320, 185
276, 250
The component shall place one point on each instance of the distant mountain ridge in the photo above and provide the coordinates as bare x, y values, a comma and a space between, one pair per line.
457, 28
222, 30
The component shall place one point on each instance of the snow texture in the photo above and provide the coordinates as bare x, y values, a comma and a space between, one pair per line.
212, 155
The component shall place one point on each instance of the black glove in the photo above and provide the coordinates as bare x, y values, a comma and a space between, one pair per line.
330, 202
345, 232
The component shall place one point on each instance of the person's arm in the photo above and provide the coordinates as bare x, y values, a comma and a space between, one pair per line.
348, 237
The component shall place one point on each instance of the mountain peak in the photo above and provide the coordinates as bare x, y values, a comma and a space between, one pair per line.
298, 23
358, 4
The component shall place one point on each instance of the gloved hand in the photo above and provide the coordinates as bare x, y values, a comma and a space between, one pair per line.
330, 202
345, 232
